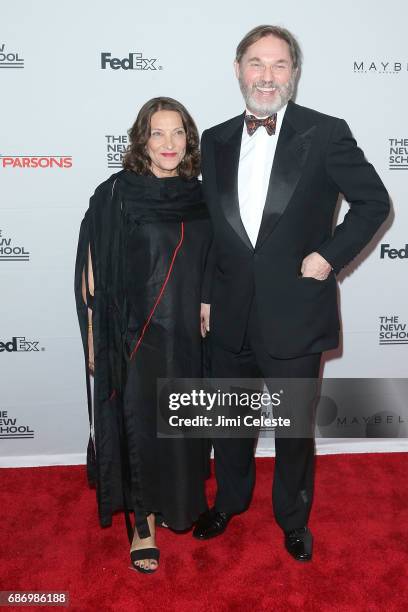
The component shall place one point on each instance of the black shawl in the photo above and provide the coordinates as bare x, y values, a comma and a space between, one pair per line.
153, 200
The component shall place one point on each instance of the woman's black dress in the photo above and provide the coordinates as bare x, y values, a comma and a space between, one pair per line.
149, 239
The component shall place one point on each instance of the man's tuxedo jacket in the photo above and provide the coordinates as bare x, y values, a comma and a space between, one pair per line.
316, 158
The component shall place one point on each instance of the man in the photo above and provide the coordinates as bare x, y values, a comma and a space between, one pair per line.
272, 177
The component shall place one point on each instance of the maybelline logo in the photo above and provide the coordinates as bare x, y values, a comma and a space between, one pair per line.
377, 419
386, 251
392, 330
11, 429
134, 61
36, 161
398, 153
19, 344
116, 147
380, 67
364, 407
10, 59
10, 251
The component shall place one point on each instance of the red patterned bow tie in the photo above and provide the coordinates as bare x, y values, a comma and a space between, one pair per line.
252, 124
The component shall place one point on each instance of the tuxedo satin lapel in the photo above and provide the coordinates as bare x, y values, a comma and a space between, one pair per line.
290, 157
227, 150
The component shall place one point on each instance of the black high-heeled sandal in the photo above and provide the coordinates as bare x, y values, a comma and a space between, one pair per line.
144, 553
160, 520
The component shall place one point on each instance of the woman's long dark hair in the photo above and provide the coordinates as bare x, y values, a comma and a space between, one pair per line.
136, 157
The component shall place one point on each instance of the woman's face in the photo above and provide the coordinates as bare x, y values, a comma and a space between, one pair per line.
166, 146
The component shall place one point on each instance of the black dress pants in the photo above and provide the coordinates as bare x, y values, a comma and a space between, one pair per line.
292, 490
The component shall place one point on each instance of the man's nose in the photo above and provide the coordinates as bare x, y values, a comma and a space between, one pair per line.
268, 74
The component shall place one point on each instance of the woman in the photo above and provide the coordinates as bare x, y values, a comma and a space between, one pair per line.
140, 266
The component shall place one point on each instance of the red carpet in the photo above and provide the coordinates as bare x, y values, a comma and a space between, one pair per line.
50, 540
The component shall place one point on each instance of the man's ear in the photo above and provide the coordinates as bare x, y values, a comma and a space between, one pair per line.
236, 68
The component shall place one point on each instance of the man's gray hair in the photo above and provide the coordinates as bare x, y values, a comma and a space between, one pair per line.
269, 30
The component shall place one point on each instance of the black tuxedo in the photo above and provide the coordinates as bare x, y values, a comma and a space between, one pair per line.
266, 320
316, 158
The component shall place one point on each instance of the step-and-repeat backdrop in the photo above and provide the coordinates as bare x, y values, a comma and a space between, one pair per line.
72, 78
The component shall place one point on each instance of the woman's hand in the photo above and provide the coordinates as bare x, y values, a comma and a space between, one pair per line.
205, 319
91, 357
90, 282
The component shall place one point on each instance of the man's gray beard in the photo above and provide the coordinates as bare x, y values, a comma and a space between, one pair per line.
285, 92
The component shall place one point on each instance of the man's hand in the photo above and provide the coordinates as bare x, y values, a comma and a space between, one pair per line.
315, 266
205, 319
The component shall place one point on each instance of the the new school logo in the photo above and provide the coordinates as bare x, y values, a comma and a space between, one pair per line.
9, 251
10, 59
392, 330
133, 61
11, 429
398, 153
36, 161
116, 146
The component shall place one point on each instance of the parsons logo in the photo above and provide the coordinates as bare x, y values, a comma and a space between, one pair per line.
380, 66
36, 161
134, 61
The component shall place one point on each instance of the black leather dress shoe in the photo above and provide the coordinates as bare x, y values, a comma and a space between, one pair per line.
299, 543
211, 524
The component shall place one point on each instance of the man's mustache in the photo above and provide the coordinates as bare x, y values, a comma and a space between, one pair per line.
267, 84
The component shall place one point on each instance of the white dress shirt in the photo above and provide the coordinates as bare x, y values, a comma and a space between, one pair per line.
255, 165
